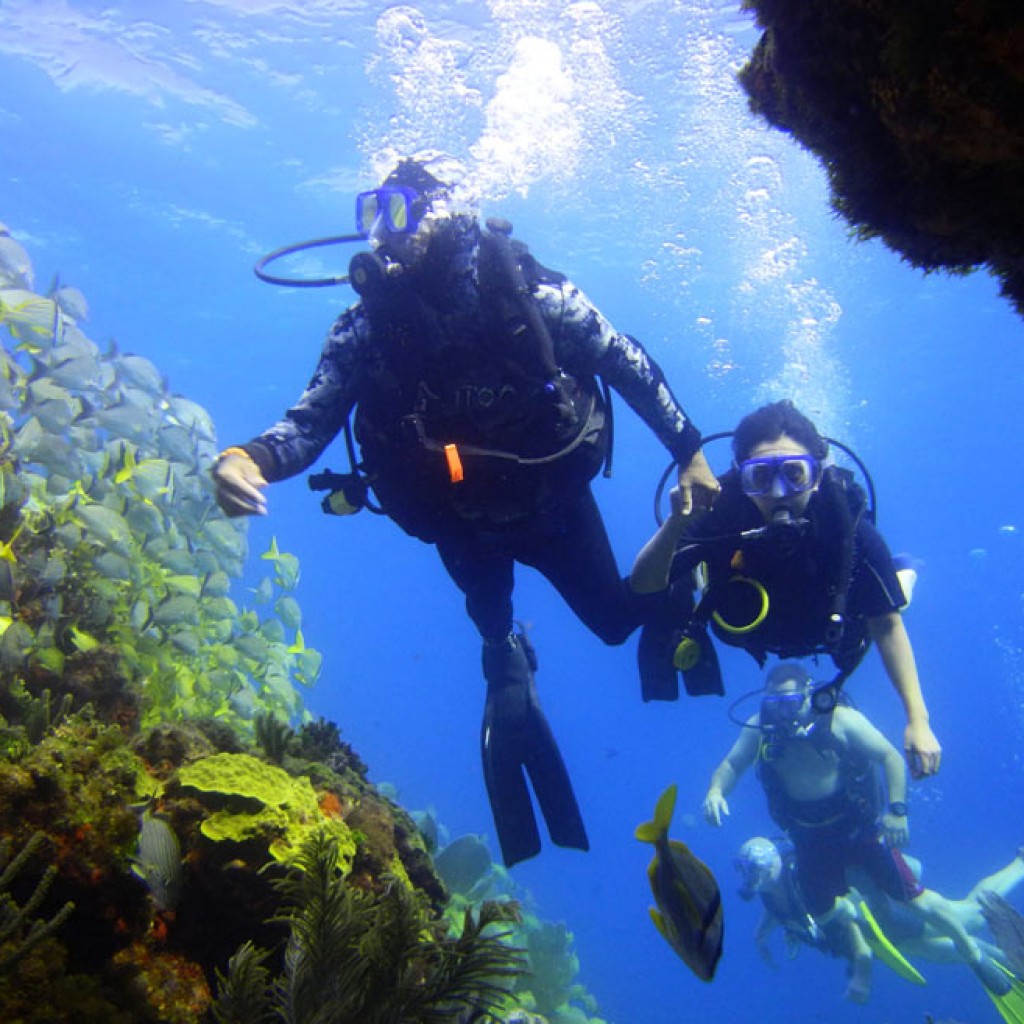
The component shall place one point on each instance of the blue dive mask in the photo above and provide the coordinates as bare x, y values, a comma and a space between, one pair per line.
400, 209
778, 475
782, 710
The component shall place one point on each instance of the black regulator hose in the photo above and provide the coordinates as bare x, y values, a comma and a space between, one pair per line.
302, 282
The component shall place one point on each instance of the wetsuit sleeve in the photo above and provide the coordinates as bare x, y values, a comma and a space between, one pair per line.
295, 442
875, 588
585, 342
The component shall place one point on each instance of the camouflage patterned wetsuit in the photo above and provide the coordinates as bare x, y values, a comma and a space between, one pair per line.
441, 357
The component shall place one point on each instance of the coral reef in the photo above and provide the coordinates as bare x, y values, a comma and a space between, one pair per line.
357, 956
914, 111
167, 805
19, 932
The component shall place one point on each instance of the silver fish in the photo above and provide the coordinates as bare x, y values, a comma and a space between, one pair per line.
15, 265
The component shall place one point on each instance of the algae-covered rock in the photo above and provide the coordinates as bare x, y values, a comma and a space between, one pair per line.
914, 111
262, 801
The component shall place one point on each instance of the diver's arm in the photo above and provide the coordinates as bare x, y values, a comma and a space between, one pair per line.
586, 342
863, 736
729, 772
768, 923
698, 486
650, 572
921, 747
295, 442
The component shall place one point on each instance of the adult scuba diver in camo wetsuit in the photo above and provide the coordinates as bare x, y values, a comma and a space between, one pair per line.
480, 425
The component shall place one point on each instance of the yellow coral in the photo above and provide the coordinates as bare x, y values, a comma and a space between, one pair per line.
287, 810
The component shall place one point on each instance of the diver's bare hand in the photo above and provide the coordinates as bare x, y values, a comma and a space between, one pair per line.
922, 749
716, 807
698, 487
895, 830
238, 485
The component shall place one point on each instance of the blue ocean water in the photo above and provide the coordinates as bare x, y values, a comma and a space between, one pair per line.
149, 153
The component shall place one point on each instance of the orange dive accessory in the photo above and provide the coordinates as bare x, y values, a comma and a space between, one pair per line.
455, 471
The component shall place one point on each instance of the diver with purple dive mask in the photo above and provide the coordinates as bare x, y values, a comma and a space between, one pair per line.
789, 564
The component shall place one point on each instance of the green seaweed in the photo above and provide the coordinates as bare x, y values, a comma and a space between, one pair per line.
356, 956
277, 739
20, 932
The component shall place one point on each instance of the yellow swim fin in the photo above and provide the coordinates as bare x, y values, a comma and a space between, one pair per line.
886, 952
1009, 1003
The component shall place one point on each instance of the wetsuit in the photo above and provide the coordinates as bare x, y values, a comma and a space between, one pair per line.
441, 360
468, 446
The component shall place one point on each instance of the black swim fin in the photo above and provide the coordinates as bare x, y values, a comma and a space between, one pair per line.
659, 679
517, 741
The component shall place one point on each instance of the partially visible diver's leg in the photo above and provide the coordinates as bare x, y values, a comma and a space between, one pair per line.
844, 937
1001, 882
940, 948
516, 741
568, 544
941, 915
570, 547
483, 570
485, 575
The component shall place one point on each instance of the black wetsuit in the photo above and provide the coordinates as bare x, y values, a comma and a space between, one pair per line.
441, 359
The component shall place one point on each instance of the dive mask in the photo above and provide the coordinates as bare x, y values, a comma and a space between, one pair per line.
787, 714
778, 475
400, 209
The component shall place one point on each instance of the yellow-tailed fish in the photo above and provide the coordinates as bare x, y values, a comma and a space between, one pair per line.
689, 904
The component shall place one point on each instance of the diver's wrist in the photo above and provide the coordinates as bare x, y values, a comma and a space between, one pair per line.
898, 809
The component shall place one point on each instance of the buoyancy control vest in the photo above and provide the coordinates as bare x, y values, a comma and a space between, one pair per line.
856, 803
783, 592
474, 418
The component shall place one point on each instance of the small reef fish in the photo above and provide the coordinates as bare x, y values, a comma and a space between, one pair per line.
689, 904
157, 861
15, 265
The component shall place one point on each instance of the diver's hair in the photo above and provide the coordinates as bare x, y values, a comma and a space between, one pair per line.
769, 423
431, 173
759, 851
784, 672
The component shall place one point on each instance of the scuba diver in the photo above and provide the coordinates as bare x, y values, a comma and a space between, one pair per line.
767, 870
819, 772
473, 372
790, 564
